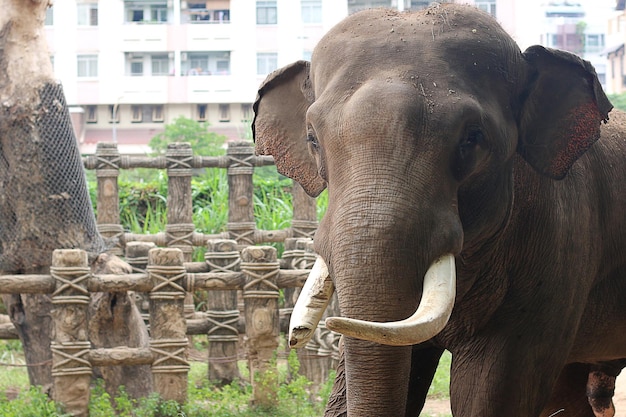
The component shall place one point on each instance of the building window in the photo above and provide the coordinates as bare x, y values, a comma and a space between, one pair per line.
266, 63
136, 68
222, 67
487, 5
146, 113
224, 112
311, 11
114, 113
358, 5
87, 14
160, 65
157, 113
49, 16
91, 114
206, 63
246, 112
416, 4
136, 114
594, 43
198, 12
158, 13
266, 13
201, 112
87, 65
145, 11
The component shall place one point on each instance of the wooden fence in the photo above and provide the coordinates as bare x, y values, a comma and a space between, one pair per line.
243, 280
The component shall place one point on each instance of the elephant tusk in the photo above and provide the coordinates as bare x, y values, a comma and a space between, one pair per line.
310, 306
428, 320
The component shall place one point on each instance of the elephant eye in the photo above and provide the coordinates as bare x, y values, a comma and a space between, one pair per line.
471, 149
473, 139
312, 140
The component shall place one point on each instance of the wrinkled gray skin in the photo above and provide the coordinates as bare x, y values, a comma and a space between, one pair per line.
434, 134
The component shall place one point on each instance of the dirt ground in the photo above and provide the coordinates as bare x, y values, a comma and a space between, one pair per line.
436, 408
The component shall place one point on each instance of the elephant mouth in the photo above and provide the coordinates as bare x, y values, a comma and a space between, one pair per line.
430, 317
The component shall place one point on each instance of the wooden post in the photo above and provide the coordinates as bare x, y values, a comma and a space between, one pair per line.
71, 369
304, 221
260, 296
167, 324
180, 225
107, 172
223, 256
241, 223
137, 258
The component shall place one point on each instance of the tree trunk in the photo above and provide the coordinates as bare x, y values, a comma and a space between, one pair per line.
44, 201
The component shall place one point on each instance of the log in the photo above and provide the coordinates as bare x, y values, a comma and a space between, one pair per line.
137, 258
241, 224
121, 355
26, 284
8, 331
260, 296
107, 172
168, 329
222, 313
180, 227
71, 369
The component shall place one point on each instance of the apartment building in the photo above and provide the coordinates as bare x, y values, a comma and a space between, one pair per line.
616, 38
128, 67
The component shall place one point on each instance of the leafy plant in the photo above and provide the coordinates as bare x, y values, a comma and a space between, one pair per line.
202, 141
618, 100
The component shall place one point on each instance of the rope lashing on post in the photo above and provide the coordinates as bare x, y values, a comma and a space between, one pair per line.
294, 258
176, 239
176, 352
68, 279
74, 353
304, 228
209, 256
248, 268
241, 165
179, 162
223, 320
163, 282
242, 232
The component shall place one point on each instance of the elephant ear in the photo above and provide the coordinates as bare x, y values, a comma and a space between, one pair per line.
562, 111
279, 126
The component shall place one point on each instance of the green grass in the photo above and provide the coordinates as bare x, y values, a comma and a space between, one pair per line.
204, 399
440, 387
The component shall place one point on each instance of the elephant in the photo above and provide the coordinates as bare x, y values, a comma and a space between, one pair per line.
475, 204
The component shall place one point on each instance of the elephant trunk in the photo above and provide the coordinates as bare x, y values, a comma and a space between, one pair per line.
428, 320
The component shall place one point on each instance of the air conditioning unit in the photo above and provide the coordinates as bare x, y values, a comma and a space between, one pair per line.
170, 55
183, 56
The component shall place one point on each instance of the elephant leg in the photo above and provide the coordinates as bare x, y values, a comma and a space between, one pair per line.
569, 396
424, 361
490, 379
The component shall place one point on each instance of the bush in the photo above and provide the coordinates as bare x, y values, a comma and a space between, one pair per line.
197, 134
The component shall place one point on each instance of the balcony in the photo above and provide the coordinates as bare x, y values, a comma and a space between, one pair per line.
147, 12
144, 38
205, 12
146, 90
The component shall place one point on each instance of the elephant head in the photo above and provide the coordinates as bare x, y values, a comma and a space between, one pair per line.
414, 122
